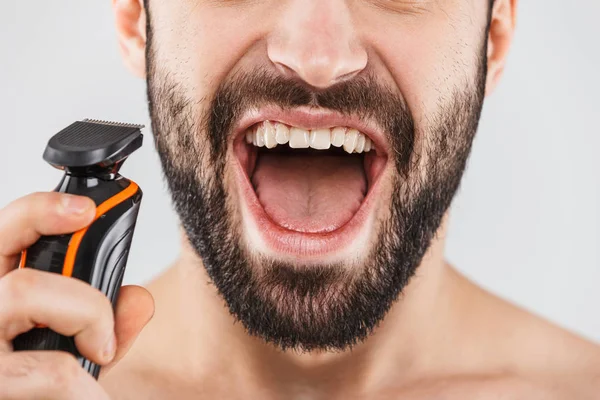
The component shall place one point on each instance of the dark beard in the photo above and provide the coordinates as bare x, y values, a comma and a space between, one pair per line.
327, 307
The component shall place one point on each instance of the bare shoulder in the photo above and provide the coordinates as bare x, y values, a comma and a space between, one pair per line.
532, 353
495, 387
557, 360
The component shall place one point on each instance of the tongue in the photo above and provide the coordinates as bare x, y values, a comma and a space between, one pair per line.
310, 193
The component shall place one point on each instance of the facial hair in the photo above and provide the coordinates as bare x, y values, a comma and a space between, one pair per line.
329, 306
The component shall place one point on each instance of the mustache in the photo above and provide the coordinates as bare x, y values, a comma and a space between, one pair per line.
362, 96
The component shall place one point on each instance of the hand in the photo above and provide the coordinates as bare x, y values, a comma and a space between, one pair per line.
66, 305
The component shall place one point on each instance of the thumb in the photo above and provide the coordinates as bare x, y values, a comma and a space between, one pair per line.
135, 308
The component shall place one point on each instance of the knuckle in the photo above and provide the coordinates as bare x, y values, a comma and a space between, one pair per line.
16, 285
105, 302
39, 198
98, 299
51, 374
63, 370
105, 308
18, 367
60, 366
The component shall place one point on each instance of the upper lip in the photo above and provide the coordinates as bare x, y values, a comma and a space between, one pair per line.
312, 118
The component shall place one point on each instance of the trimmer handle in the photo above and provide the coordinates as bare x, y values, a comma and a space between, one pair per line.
98, 253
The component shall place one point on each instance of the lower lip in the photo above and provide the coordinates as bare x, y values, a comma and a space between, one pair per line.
282, 241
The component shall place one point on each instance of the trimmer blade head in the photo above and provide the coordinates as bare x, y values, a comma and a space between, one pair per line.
90, 143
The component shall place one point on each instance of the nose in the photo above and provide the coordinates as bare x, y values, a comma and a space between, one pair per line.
315, 41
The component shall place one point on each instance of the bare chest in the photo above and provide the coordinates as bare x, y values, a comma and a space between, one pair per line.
160, 387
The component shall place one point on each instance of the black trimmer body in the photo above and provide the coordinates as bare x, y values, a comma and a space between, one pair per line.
91, 153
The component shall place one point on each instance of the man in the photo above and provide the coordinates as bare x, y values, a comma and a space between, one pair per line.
312, 149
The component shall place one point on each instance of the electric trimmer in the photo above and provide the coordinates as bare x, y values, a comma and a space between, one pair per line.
91, 153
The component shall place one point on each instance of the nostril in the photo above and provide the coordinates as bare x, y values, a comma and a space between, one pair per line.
346, 76
285, 70
306, 76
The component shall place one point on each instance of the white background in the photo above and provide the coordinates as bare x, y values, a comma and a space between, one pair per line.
526, 223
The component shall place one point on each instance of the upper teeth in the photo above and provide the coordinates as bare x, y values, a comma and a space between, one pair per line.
271, 134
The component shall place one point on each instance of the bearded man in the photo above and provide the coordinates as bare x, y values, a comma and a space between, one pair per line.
312, 149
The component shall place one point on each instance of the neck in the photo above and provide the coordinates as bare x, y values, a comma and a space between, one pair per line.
408, 338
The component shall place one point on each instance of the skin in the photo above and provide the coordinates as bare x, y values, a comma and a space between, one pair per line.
175, 338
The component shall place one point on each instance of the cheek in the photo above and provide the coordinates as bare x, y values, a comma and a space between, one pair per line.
196, 50
428, 58
196, 46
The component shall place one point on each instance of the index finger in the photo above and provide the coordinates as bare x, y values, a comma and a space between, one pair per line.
23, 221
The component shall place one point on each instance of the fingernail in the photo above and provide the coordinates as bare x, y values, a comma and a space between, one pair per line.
75, 204
109, 350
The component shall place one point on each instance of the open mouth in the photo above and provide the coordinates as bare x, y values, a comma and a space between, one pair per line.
307, 181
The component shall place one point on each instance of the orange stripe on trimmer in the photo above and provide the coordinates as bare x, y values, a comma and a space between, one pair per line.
102, 209
23, 259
